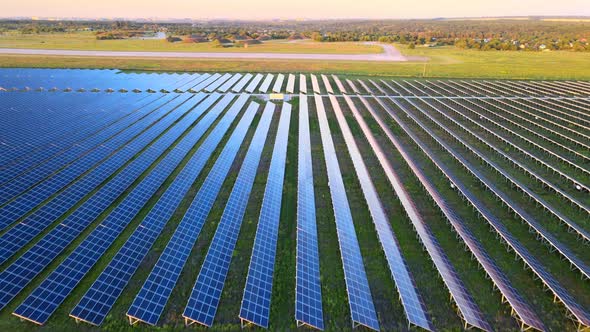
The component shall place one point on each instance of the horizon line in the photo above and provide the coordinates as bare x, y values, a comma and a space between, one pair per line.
163, 19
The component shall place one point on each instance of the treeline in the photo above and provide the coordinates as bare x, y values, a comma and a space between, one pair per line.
532, 34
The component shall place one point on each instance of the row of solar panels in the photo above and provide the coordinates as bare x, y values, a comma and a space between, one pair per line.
96, 303
575, 310
95, 80
94, 306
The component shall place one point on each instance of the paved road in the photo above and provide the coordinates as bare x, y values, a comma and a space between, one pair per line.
390, 53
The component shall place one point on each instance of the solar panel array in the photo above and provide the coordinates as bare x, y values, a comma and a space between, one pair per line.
519, 305
469, 310
308, 291
26, 202
206, 294
151, 299
103, 293
255, 306
576, 310
45, 299
360, 299
87, 157
414, 307
20, 273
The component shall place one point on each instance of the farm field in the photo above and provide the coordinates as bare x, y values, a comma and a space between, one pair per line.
174, 201
87, 41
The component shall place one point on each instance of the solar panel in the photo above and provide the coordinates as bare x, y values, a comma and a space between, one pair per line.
509, 293
467, 307
45, 299
266, 83
278, 83
213, 86
193, 82
573, 226
46, 131
578, 313
353, 86
19, 235
365, 86
308, 291
378, 87
188, 86
315, 84
242, 83
206, 83
530, 172
151, 299
414, 307
339, 84
252, 86
302, 84
255, 307
51, 245
360, 300
327, 84
206, 293
121, 117
103, 293
25, 181
225, 87
291, 84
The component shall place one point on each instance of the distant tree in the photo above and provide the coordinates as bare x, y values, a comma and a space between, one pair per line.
317, 36
412, 45
385, 39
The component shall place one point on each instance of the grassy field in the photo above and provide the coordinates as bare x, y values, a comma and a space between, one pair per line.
87, 41
444, 62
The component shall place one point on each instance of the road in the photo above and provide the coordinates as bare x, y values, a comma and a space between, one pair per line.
390, 54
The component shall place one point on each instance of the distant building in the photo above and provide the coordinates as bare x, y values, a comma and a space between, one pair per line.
196, 39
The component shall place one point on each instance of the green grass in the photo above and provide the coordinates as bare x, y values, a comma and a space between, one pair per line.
443, 62
88, 42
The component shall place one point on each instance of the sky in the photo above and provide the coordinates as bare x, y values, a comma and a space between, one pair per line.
294, 9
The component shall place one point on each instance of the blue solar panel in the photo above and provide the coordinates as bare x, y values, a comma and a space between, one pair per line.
202, 85
29, 200
527, 317
254, 83
21, 272
206, 294
119, 117
103, 293
467, 307
242, 83
255, 306
308, 291
25, 181
213, 86
409, 296
52, 291
151, 299
360, 300
266, 83
227, 85
278, 83
44, 129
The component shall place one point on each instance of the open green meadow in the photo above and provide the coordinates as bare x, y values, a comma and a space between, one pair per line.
442, 63
88, 42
